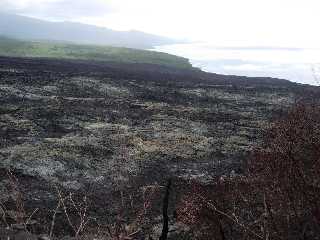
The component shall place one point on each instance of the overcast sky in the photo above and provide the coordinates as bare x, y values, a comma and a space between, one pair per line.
282, 23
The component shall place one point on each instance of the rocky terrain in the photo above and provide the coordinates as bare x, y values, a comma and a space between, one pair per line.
100, 129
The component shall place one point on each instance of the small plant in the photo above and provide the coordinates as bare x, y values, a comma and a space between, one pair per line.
20, 217
67, 204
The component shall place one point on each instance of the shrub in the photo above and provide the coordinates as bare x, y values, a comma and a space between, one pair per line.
277, 198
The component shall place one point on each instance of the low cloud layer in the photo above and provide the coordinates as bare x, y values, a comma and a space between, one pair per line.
57, 9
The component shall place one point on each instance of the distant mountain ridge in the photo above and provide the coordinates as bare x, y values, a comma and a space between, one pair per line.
26, 28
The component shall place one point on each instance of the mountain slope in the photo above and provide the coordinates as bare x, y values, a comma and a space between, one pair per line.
33, 29
19, 48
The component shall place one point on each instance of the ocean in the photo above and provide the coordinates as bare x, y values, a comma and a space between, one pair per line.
300, 65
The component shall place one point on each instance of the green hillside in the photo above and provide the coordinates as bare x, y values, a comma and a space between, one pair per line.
19, 48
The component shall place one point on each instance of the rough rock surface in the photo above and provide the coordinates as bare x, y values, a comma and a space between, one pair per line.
82, 125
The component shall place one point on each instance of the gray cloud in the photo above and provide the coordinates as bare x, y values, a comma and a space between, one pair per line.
7, 6
78, 8
57, 10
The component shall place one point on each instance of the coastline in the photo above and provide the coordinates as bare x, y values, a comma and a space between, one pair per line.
298, 65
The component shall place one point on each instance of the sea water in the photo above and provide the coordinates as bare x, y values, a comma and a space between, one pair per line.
300, 65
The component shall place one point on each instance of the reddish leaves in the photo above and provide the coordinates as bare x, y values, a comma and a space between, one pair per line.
278, 198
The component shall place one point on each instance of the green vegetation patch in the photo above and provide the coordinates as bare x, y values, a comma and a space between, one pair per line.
19, 48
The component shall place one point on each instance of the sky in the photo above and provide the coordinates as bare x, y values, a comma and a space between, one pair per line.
276, 23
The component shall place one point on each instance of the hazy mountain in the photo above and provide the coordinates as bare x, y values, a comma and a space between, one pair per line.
21, 27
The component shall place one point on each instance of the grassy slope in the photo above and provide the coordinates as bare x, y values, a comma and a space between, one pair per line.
19, 48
